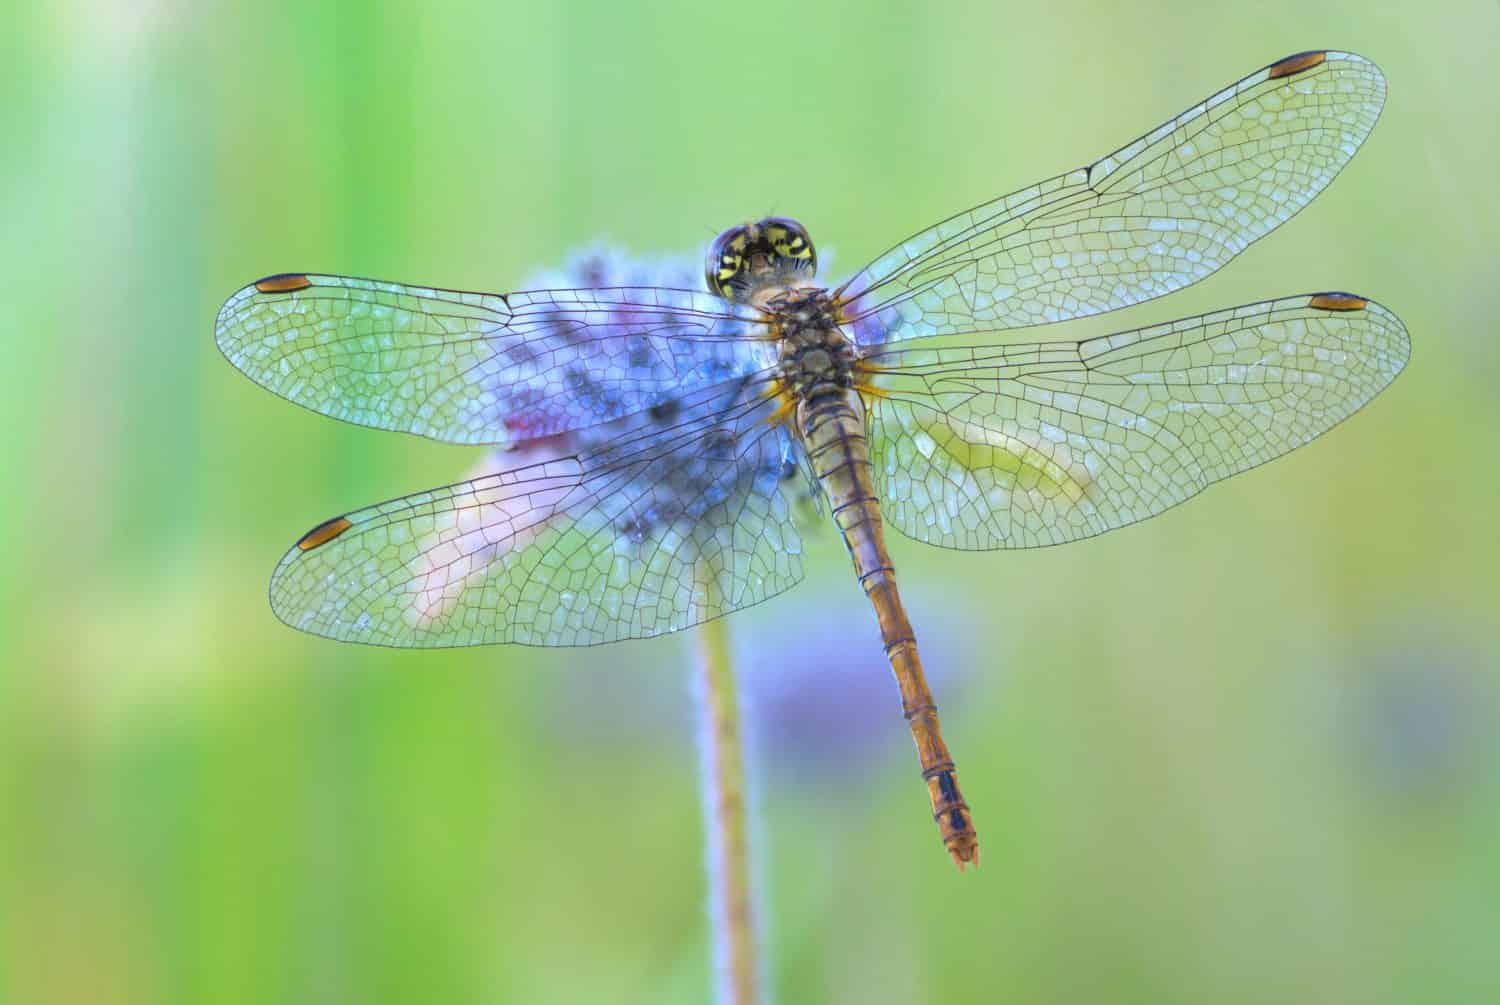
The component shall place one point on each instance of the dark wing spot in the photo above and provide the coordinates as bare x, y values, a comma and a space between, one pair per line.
1295, 64
323, 533
283, 282
1337, 302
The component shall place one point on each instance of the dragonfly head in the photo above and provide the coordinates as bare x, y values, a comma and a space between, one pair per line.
752, 256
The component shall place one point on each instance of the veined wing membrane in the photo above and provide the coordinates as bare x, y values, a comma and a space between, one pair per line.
1156, 215
1022, 445
663, 525
480, 367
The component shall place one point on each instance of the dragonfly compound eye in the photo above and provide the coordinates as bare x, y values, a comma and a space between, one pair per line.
790, 246
724, 269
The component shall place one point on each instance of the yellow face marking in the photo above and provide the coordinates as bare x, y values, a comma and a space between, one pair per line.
1295, 64
1337, 302
286, 282
323, 533
731, 261
787, 243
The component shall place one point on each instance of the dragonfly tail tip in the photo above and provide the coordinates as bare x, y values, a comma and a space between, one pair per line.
963, 857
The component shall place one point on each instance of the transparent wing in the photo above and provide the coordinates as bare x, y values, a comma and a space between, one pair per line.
480, 367
1157, 214
1022, 445
664, 523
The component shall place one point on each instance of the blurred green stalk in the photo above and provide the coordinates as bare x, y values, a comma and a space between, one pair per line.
731, 907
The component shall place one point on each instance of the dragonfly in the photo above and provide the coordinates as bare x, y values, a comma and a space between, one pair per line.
658, 437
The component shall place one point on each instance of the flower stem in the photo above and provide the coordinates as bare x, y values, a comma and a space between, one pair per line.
731, 906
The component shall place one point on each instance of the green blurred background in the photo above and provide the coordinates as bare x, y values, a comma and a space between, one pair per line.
1242, 753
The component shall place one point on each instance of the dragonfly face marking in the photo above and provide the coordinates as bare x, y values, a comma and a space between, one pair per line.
749, 258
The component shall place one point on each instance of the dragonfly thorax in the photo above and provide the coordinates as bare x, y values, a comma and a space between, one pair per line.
816, 357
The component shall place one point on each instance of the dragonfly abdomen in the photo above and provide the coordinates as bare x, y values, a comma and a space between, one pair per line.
832, 427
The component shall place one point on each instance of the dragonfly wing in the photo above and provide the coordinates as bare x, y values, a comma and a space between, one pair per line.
1158, 214
662, 524
480, 367
1022, 445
